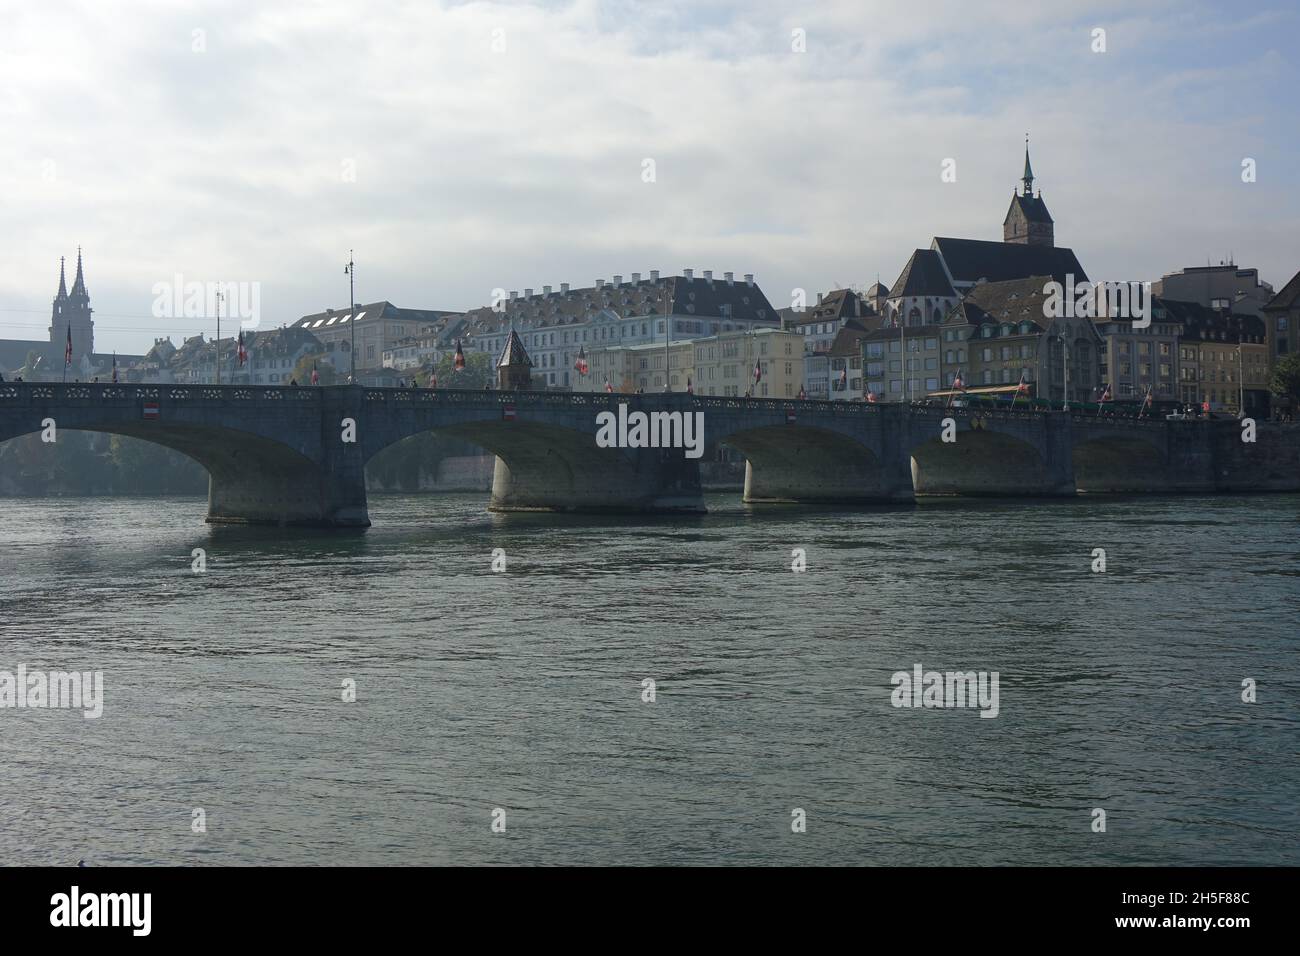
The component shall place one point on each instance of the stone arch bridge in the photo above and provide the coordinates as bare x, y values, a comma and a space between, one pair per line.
297, 455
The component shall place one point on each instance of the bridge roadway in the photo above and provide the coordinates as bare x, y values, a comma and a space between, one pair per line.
297, 455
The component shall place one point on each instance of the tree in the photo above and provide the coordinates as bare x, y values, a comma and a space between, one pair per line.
1285, 383
302, 371
477, 373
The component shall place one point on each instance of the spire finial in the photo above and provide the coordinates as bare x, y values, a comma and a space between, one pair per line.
79, 283
63, 284
1028, 177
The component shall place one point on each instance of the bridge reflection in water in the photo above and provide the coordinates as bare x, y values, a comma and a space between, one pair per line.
297, 455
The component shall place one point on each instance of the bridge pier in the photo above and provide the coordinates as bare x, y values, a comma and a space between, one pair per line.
638, 481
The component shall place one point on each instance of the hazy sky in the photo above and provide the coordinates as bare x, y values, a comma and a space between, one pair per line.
226, 154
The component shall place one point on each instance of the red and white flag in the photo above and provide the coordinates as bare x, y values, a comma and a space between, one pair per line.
690, 389
433, 379
871, 396
758, 371
315, 375
581, 364
803, 395
458, 363
956, 380
1105, 393
242, 352
608, 387
844, 378
67, 349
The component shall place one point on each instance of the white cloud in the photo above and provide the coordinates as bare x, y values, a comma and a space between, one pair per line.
477, 169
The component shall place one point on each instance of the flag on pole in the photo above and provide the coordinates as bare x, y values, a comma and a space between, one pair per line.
1105, 397
1146, 403
608, 387
315, 375
67, 349
581, 364
1021, 389
871, 396
433, 379
690, 389
957, 385
844, 378
240, 352
115, 366
803, 395
758, 371
459, 362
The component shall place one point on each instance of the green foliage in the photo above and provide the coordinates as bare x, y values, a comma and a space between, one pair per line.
1285, 382
477, 373
302, 371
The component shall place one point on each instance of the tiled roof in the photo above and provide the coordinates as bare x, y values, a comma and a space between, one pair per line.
836, 305
1015, 301
923, 275
513, 353
1033, 207
679, 295
1287, 297
969, 260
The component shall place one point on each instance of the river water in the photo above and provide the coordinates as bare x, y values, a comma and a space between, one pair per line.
522, 691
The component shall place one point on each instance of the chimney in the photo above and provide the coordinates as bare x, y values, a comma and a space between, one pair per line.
708, 275
600, 283
528, 293
730, 277
636, 277
618, 281
546, 290
654, 275
689, 274
749, 278
564, 287
514, 294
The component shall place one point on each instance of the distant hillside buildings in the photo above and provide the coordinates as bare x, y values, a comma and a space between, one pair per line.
969, 307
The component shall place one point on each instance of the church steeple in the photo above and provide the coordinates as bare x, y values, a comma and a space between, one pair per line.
72, 313
79, 283
1027, 221
1028, 177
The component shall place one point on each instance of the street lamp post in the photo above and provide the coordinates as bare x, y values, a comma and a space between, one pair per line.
218, 342
351, 270
1241, 382
1065, 371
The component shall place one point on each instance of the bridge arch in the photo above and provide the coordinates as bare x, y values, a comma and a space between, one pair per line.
809, 464
260, 447
543, 466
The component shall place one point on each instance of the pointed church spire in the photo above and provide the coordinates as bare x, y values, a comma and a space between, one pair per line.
1028, 178
63, 283
79, 283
